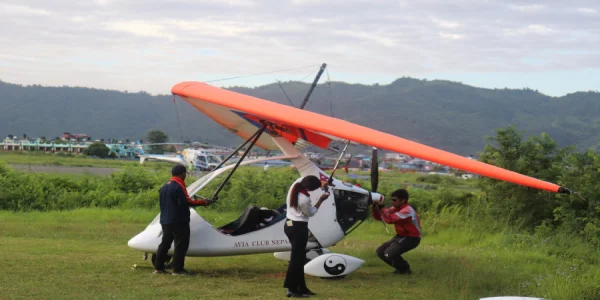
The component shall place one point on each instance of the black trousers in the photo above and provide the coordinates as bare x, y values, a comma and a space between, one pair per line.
298, 236
180, 233
391, 251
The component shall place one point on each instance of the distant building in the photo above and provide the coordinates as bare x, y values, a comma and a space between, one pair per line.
15, 145
132, 149
75, 137
395, 156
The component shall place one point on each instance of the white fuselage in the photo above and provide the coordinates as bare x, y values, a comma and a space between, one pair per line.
206, 240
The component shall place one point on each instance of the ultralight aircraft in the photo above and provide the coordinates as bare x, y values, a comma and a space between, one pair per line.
274, 126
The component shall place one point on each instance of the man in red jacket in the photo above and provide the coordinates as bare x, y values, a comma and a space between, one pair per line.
408, 230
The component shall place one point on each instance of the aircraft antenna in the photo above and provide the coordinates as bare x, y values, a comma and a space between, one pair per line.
178, 119
329, 92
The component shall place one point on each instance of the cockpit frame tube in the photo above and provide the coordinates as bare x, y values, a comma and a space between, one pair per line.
238, 149
254, 138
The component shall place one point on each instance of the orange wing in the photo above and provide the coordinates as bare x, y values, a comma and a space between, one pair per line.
241, 114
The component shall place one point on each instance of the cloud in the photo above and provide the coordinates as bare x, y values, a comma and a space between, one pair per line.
585, 10
16, 10
530, 29
446, 24
140, 28
452, 36
527, 8
102, 2
366, 36
150, 44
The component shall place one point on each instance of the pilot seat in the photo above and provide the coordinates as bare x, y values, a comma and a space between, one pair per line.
253, 218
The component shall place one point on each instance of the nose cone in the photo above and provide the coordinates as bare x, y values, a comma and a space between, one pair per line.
135, 242
376, 196
146, 241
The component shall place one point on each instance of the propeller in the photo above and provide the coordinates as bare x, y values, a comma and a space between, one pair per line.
375, 181
374, 170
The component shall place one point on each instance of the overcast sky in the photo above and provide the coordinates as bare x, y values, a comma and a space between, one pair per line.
150, 45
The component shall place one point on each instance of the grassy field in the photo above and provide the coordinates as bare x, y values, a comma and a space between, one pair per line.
71, 161
465, 253
83, 254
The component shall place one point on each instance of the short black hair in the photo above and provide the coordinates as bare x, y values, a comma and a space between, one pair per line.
178, 170
401, 194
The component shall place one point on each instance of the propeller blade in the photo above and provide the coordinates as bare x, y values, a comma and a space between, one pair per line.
375, 181
374, 171
348, 164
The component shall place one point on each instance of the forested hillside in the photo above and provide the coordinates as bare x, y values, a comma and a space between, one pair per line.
443, 114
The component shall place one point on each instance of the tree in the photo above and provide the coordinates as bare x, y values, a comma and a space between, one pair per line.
538, 157
580, 212
156, 137
97, 149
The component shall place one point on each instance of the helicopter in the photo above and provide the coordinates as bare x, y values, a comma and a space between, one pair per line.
201, 159
274, 126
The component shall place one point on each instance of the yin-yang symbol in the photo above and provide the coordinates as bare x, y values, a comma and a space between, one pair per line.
335, 265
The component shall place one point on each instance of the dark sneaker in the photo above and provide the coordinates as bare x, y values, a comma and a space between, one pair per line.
290, 294
308, 292
159, 272
407, 271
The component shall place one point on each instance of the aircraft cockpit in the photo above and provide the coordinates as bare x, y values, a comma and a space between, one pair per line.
253, 218
351, 207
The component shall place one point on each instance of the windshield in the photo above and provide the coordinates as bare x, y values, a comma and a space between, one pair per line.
214, 159
351, 208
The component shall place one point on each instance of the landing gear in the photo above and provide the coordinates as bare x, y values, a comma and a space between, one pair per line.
333, 266
314, 253
334, 278
310, 254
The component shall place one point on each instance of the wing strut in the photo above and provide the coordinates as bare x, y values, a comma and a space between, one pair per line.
254, 138
238, 149
330, 181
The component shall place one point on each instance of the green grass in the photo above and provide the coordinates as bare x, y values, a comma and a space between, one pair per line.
416, 180
465, 254
27, 158
83, 254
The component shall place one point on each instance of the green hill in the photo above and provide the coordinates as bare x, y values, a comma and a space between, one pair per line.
448, 115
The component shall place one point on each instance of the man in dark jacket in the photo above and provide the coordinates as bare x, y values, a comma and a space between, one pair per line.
175, 221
